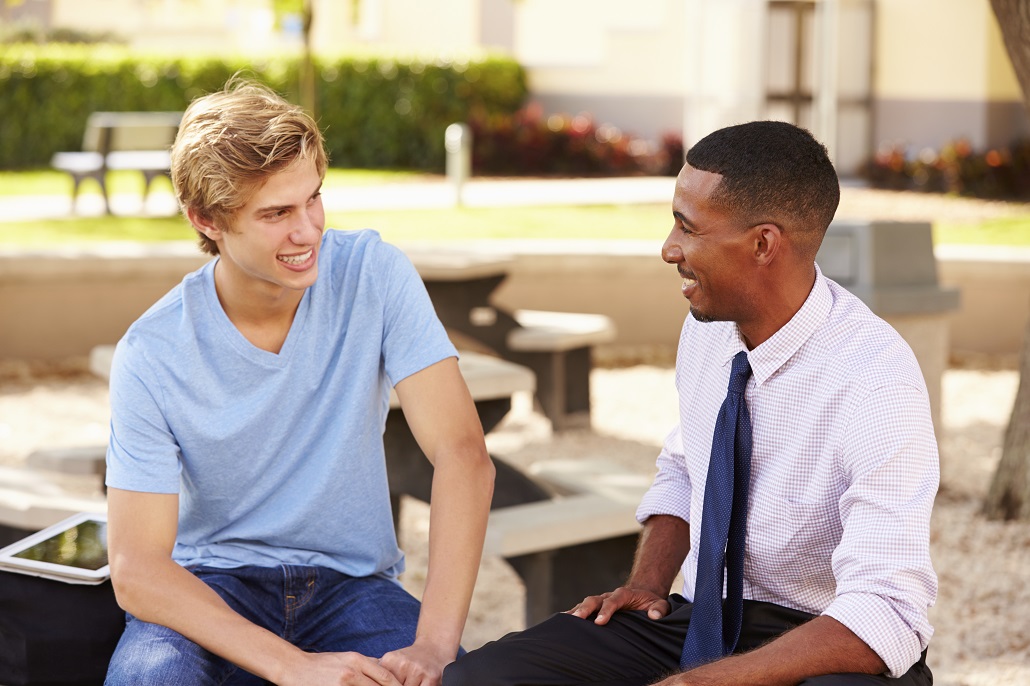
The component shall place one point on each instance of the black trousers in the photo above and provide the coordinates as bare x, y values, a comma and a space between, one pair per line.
631, 650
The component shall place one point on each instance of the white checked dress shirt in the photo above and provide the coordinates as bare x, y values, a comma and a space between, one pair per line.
844, 468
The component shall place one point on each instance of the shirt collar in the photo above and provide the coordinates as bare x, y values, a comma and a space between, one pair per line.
771, 355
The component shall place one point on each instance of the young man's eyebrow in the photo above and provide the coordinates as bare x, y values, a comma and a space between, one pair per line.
276, 208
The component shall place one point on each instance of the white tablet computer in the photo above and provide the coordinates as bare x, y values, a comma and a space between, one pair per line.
74, 550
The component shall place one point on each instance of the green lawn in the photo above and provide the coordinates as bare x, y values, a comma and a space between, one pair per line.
608, 222
1013, 231
588, 223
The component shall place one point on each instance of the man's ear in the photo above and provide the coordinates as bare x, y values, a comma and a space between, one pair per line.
203, 224
768, 241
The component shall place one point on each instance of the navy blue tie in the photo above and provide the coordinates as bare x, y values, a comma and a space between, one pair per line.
714, 629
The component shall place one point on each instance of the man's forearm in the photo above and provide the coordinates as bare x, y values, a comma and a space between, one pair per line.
459, 508
162, 592
664, 544
821, 646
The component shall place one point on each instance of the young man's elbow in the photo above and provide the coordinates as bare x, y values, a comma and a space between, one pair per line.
131, 581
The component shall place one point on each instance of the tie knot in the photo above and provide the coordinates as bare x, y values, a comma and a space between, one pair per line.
740, 372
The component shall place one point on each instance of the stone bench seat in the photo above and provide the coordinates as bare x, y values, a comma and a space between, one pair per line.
579, 542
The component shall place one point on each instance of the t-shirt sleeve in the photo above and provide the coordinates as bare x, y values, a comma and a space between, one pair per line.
413, 337
142, 453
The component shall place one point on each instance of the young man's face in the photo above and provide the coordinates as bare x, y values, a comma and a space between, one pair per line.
711, 249
275, 237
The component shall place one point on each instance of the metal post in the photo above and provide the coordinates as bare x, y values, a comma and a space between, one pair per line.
458, 142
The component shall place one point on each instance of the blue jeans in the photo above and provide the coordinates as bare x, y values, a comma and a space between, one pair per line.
315, 609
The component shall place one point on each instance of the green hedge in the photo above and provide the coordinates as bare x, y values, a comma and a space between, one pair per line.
375, 111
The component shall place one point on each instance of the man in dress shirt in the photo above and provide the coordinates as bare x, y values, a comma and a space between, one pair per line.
844, 466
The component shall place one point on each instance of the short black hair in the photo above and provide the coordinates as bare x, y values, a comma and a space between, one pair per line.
771, 169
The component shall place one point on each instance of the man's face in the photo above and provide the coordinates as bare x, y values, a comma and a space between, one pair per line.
275, 237
712, 250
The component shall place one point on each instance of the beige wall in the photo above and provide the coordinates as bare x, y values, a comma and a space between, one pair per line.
176, 25
941, 50
597, 46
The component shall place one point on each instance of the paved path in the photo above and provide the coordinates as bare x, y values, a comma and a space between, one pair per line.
403, 195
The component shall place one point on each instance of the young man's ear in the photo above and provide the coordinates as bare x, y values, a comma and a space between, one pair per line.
203, 224
768, 239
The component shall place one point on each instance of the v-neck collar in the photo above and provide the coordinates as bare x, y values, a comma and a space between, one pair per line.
239, 341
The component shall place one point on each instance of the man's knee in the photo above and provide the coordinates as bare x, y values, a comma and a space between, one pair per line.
150, 654
470, 670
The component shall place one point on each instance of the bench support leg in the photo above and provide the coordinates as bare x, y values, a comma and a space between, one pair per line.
562, 385
556, 580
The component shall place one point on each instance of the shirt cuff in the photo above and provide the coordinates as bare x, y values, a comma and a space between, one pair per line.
663, 501
874, 620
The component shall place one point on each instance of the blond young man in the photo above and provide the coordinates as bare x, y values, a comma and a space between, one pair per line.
250, 529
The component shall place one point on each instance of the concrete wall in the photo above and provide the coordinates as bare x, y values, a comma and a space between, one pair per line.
995, 308
61, 304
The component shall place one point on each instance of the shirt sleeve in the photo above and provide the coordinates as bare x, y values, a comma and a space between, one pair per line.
413, 337
670, 492
142, 453
885, 581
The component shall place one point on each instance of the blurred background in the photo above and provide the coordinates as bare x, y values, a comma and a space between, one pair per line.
576, 114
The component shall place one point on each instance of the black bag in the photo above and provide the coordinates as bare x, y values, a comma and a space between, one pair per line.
56, 634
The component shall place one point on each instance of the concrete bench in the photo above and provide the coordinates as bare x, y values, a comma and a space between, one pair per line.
136, 141
557, 346
577, 543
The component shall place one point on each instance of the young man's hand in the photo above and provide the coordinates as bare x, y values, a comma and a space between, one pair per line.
622, 598
338, 669
420, 664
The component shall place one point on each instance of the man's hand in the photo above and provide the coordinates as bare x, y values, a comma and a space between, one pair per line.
420, 664
338, 669
622, 598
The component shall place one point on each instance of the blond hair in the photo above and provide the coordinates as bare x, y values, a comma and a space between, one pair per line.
230, 142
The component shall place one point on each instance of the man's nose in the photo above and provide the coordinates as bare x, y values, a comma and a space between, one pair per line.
671, 252
305, 232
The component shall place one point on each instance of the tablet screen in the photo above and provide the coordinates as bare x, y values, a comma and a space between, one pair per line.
83, 546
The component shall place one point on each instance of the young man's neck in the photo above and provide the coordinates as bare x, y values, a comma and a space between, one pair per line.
263, 315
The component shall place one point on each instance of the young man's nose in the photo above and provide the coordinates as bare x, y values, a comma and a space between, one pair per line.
306, 231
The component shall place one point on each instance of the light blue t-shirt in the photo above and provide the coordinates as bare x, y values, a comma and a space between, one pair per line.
277, 458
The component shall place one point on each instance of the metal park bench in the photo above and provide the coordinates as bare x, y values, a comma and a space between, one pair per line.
136, 141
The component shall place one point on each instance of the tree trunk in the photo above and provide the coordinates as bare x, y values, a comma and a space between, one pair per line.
1014, 20
308, 94
1009, 495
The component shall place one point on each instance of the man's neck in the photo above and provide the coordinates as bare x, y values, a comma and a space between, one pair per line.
779, 305
263, 315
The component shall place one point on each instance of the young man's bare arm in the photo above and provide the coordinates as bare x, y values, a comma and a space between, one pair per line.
443, 420
152, 587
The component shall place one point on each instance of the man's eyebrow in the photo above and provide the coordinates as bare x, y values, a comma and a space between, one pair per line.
682, 218
276, 208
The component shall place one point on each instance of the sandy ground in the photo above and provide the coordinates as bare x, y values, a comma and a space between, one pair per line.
981, 618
